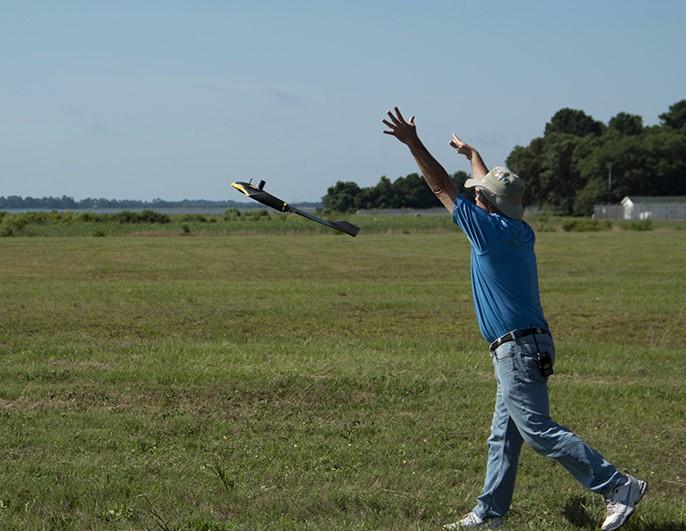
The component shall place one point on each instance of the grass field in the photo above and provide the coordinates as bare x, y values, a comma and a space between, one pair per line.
319, 381
258, 221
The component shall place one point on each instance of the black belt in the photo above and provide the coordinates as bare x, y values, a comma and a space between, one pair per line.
516, 334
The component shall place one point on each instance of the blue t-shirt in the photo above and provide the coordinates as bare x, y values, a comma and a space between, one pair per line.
504, 273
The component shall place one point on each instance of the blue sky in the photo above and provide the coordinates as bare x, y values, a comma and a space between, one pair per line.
170, 99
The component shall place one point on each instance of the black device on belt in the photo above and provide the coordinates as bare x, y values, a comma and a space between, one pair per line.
543, 359
516, 334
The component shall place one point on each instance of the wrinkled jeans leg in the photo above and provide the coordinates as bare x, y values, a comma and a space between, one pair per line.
525, 393
504, 445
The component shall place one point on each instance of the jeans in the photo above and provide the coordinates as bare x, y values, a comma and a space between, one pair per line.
522, 414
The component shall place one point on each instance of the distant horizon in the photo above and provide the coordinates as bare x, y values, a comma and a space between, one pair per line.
154, 199
147, 200
144, 203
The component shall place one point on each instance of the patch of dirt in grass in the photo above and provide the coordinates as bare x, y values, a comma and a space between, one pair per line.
671, 488
25, 404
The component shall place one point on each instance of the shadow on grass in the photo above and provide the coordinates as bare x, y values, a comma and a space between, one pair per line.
579, 512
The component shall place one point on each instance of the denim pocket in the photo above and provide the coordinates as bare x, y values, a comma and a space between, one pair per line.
503, 359
527, 366
527, 358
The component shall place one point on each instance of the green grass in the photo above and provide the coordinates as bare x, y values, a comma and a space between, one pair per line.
255, 222
319, 381
69, 224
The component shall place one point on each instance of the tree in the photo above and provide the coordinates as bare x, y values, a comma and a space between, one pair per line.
676, 116
385, 195
620, 154
573, 122
664, 150
587, 197
342, 197
528, 164
559, 178
458, 178
412, 192
626, 124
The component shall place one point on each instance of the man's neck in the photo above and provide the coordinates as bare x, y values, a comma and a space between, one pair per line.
488, 208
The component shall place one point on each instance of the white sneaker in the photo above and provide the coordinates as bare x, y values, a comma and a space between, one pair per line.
621, 502
473, 520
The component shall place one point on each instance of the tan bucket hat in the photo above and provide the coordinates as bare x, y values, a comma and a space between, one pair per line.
504, 189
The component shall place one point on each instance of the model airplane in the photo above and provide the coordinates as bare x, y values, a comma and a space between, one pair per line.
258, 194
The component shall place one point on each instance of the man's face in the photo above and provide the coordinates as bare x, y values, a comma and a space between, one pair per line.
482, 202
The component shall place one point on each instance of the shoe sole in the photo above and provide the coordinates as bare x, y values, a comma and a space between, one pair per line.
485, 525
644, 489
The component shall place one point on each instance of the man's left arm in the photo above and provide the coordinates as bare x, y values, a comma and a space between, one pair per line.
434, 174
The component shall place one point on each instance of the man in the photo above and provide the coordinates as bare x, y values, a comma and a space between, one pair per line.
509, 313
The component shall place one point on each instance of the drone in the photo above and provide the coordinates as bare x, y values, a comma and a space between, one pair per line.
258, 194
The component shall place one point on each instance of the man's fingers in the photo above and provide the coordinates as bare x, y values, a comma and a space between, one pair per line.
393, 118
389, 124
412, 119
399, 114
389, 133
458, 141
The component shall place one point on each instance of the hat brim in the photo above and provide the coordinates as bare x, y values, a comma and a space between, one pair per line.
511, 210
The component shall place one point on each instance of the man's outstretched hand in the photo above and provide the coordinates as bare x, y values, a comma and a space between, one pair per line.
434, 174
479, 169
404, 131
461, 147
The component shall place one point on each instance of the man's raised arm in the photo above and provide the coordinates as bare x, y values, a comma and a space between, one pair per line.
479, 169
435, 175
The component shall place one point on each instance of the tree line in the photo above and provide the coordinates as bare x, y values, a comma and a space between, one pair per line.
578, 162
405, 192
69, 203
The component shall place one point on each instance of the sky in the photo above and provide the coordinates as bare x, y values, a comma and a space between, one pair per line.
175, 99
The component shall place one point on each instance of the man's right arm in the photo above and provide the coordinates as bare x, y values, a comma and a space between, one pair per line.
434, 174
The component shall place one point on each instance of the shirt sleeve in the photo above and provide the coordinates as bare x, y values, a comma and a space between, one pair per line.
475, 222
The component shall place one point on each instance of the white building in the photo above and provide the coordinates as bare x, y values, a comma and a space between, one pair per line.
655, 207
